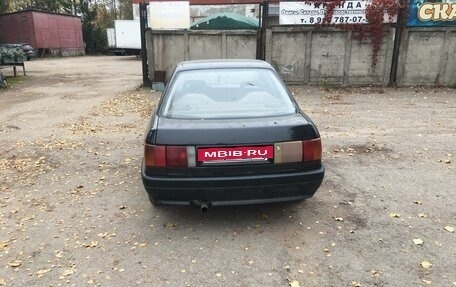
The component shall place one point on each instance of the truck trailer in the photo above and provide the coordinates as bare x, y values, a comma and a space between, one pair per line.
125, 38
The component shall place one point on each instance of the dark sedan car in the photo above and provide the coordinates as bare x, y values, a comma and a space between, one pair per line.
229, 133
28, 51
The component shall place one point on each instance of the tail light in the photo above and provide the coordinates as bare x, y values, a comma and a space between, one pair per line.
154, 155
169, 156
311, 150
176, 156
297, 151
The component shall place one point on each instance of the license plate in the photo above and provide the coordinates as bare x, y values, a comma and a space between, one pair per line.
235, 153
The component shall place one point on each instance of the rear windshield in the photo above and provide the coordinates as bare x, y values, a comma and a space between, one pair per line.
227, 93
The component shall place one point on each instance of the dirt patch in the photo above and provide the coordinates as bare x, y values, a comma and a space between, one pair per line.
73, 210
360, 149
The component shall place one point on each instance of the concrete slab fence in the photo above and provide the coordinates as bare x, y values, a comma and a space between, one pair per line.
165, 49
428, 56
305, 55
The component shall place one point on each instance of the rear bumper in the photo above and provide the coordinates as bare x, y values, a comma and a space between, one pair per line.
234, 190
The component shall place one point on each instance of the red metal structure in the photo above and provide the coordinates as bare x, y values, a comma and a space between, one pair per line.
43, 30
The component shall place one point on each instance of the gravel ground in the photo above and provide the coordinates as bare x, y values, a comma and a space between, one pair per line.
73, 211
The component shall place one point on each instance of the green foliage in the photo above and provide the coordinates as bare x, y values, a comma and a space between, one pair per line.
93, 29
57, 6
4, 6
95, 38
125, 10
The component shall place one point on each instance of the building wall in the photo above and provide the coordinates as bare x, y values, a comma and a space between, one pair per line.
56, 31
17, 28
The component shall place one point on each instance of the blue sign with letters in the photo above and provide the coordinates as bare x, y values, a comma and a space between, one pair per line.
432, 13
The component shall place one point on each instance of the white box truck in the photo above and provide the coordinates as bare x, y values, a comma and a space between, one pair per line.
127, 37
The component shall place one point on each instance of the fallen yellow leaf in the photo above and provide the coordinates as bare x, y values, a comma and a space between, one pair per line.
375, 273
394, 215
41, 272
425, 264
15, 263
449, 229
68, 272
3, 245
294, 283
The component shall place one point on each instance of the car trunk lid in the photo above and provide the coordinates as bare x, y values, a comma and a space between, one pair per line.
224, 132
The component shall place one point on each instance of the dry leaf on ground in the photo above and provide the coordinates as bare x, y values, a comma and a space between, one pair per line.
449, 228
41, 272
15, 263
394, 215
294, 283
425, 264
3, 245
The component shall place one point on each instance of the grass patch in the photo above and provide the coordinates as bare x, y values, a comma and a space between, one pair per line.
326, 86
12, 81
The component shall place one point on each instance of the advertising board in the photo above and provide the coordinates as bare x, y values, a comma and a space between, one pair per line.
169, 15
302, 13
432, 13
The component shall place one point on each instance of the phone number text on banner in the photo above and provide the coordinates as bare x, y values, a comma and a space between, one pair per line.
301, 13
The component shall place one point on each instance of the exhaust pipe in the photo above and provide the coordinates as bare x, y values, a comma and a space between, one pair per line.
204, 207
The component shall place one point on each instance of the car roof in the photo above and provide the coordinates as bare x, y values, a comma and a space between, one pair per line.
222, 63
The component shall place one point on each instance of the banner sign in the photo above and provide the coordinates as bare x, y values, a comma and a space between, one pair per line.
169, 15
422, 13
301, 13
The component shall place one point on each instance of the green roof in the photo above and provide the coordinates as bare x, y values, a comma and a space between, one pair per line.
226, 21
